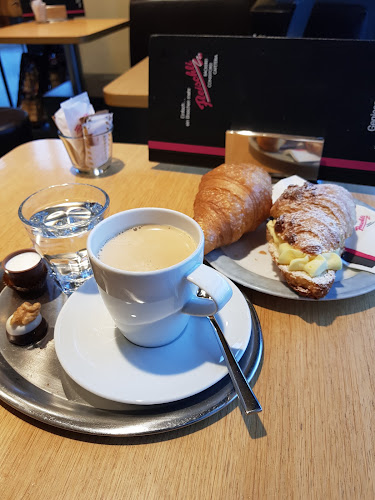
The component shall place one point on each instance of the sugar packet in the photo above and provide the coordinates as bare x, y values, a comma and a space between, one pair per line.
68, 117
98, 123
97, 133
87, 135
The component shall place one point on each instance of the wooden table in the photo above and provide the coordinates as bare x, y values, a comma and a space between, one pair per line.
69, 33
129, 90
314, 439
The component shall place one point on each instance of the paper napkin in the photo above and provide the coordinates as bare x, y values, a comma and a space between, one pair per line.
302, 156
280, 187
359, 250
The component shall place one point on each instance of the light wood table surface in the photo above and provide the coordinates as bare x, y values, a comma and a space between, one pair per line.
69, 33
129, 90
78, 30
314, 439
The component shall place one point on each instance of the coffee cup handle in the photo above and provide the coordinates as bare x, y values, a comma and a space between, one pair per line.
215, 285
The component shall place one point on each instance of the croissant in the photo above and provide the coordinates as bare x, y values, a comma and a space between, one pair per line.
232, 200
270, 144
307, 234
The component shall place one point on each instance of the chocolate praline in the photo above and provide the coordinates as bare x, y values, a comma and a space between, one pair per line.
26, 325
28, 282
31, 337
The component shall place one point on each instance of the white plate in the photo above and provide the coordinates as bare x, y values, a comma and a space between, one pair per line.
98, 357
249, 263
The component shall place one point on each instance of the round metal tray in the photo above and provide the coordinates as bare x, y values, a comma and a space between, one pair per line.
33, 382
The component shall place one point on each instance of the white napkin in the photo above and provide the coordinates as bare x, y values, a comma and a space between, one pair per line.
360, 247
359, 250
280, 187
302, 156
68, 121
74, 110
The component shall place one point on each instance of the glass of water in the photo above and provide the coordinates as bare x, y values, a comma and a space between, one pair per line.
58, 220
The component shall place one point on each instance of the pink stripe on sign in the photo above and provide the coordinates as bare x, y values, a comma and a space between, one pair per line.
186, 148
360, 254
78, 11
352, 164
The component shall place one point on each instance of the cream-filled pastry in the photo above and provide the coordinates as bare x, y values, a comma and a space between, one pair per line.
307, 234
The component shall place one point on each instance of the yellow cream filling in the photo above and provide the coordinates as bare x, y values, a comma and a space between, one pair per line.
296, 260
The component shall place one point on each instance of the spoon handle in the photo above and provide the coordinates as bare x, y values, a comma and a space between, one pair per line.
244, 392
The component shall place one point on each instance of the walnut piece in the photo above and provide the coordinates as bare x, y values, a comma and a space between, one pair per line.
25, 314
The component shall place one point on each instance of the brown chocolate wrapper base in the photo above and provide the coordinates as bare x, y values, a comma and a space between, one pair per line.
31, 337
32, 292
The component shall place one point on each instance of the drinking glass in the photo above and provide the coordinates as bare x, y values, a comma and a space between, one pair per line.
58, 220
90, 154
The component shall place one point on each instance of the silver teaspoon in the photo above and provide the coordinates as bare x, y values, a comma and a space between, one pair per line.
244, 392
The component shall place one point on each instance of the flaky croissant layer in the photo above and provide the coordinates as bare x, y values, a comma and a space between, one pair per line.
232, 199
315, 218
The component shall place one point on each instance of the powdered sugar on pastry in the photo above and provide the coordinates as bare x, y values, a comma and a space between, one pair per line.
314, 220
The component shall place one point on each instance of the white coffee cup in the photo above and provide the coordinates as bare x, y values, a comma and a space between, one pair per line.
152, 308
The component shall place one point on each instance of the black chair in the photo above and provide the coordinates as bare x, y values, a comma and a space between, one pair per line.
271, 17
15, 129
313, 19
174, 17
183, 17
337, 20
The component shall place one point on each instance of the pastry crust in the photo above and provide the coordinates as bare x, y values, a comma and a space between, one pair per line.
300, 281
314, 219
315, 148
232, 199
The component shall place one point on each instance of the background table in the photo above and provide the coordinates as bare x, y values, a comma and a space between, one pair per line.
129, 90
315, 437
69, 33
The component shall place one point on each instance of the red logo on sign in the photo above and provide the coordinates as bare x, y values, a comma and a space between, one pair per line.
192, 69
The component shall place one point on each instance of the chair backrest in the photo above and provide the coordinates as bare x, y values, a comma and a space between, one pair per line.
204, 17
10, 8
15, 129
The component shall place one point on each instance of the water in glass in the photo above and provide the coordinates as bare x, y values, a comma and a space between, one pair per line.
60, 233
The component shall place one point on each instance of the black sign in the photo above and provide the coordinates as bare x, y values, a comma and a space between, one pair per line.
201, 86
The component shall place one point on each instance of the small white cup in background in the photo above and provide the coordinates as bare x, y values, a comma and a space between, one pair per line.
152, 308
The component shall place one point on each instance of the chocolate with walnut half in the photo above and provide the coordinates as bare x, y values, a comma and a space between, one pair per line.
26, 325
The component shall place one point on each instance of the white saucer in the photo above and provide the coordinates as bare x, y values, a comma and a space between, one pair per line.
99, 358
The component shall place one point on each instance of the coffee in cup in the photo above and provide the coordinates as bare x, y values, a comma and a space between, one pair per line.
148, 247
151, 306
